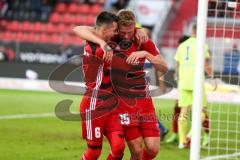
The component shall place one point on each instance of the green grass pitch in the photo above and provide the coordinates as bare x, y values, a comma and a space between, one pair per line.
49, 138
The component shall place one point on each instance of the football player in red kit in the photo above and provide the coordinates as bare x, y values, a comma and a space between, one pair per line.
137, 113
98, 96
136, 110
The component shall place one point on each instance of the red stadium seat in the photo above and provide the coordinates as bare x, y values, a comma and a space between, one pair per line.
61, 7
33, 37
67, 39
77, 41
84, 9
26, 26
55, 18
13, 26
69, 18
74, 19
9, 36
238, 11
96, 9
37, 27
3, 24
60, 28
80, 20
43, 27
69, 28
73, 8
1, 35
90, 20
55, 38
50, 28
20, 36
44, 38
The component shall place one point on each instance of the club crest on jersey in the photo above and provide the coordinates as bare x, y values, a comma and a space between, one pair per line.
85, 53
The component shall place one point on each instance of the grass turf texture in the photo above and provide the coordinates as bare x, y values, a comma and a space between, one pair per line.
49, 138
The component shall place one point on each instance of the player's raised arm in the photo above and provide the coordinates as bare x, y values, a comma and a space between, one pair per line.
89, 34
153, 56
157, 60
141, 35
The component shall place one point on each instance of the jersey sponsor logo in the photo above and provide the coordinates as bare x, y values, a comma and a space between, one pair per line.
124, 119
86, 53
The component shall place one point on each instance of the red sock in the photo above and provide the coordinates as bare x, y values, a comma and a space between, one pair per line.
175, 118
205, 124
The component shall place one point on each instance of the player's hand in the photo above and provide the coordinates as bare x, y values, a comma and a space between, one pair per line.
214, 84
141, 36
135, 56
108, 52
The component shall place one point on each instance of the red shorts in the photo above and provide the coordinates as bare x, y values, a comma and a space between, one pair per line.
138, 118
93, 128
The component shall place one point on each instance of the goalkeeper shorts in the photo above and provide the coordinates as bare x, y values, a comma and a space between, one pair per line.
186, 98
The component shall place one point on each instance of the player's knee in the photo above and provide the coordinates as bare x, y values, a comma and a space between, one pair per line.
152, 150
118, 148
137, 153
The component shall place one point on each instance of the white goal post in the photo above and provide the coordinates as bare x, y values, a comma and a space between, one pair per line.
221, 31
198, 81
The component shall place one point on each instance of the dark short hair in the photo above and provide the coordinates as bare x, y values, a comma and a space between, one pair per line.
106, 18
183, 38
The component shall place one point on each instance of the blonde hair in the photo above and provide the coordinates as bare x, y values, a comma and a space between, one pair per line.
126, 17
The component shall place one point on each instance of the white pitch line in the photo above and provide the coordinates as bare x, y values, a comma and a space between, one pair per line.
26, 116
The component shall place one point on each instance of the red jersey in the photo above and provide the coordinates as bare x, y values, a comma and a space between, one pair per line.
98, 102
135, 107
97, 80
127, 79
96, 71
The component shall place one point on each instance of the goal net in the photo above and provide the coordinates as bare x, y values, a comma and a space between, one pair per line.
223, 38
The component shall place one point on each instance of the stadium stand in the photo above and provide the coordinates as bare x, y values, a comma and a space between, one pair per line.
51, 23
176, 25
46, 21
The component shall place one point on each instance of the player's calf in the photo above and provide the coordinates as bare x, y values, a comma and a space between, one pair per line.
135, 147
117, 144
117, 151
152, 147
92, 152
